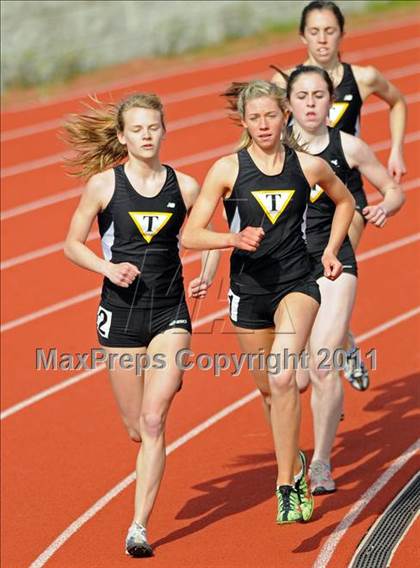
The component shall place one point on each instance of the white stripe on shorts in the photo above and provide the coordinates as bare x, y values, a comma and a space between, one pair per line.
233, 305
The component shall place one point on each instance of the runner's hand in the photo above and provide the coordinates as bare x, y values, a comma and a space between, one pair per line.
332, 266
396, 166
249, 239
197, 288
122, 274
375, 214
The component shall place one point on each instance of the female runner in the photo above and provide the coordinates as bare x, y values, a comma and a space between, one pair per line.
310, 95
322, 30
265, 189
141, 205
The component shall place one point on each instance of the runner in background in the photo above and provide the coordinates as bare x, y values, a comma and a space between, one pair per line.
310, 94
322, 30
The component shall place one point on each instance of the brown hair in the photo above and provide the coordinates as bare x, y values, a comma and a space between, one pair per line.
238, 94
321, 5
301, 70
93, 135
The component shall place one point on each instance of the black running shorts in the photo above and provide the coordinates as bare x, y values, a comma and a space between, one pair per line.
122, 327
254, 311
345, 256
361, 202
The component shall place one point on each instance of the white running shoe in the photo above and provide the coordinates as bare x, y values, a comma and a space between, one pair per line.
355, 370
321, 478
136, 543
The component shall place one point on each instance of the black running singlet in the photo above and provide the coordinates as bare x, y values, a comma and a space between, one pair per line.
277, 203
321, 208
345, 111
144, 231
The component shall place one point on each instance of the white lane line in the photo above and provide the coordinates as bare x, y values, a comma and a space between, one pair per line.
391, 74
92, 293
39, 203
180, 162
86, 374
101, 503
387, 325
31, 165
388, 49
388, 247
193, 159
117, 489
50, 391
380, 106
70, 194
39, 253
213, 63
211, 317
51, 249
51, 309
171, 126
36, 128
386, 144
338, 533
203, 156
406, 186
69, 302
406, 71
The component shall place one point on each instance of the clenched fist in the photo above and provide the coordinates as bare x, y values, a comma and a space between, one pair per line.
249, 239
122, 274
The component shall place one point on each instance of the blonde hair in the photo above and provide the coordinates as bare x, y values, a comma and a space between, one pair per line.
239, 94
93, 135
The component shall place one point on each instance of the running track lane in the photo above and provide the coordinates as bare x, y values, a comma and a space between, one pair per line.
32, 147
230, 482
17, 229
73, 281
45, 291
224, 68
65, 424
21, 379
22, 234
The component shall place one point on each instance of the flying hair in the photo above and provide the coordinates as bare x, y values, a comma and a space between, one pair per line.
92, 135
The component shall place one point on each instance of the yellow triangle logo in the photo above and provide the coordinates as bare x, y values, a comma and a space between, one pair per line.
336, 112
273, 201
149, 223
316, 192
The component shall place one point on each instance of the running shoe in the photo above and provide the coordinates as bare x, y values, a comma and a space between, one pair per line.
288, 508
354, 369
321, 479
306, 500
136, 544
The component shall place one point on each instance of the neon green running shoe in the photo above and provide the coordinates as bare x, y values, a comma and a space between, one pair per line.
288, 508
306, 499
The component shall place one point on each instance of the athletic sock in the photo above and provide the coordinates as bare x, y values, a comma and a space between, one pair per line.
298, 476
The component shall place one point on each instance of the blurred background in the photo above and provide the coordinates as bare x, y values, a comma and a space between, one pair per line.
50, 41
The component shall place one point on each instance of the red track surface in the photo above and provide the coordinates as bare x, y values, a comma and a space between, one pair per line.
216, 507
